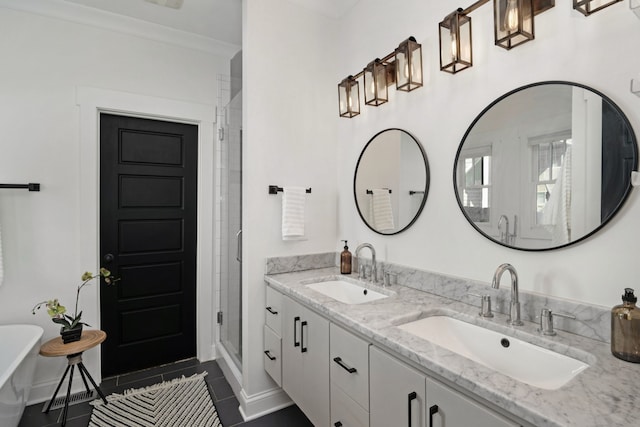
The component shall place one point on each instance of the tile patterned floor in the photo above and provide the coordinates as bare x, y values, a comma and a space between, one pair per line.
223, 398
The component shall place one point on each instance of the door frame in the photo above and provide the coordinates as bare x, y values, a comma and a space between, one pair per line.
92, 102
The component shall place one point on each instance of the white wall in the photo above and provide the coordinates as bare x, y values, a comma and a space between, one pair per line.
596, 51
44, 61
289, 99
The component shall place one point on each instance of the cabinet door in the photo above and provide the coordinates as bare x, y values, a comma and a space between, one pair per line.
448, 408
305, 360
345, 412
397, 393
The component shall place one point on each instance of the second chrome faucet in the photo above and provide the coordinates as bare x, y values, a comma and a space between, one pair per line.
514, 310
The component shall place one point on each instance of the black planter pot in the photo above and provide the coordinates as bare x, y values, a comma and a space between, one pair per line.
71, 335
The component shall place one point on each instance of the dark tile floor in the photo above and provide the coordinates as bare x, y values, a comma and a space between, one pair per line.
223, 398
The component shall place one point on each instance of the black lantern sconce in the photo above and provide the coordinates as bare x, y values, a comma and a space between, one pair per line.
403, 67
587, 7
455, 42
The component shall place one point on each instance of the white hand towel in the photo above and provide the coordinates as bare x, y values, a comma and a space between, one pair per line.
293, 201
382, 211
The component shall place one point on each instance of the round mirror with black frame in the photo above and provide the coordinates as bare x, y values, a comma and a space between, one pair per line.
545, 166
391, 181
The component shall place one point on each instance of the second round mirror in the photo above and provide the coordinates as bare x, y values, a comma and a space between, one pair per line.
391, 181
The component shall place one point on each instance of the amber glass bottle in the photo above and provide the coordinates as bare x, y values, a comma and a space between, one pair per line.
625, 328
345, 260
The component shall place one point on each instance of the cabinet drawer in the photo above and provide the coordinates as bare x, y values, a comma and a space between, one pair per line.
273, 310
272, 355
349, 359
345, 412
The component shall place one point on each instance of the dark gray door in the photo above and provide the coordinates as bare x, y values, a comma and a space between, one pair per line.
148, 182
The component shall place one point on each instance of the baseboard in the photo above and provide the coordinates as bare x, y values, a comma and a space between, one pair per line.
42, 392
257, 405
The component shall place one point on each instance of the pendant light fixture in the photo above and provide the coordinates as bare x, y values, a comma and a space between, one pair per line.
349, 97
375, 83
513, 22
455, 42
408, 65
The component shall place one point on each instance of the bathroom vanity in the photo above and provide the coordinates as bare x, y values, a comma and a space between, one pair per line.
355, 365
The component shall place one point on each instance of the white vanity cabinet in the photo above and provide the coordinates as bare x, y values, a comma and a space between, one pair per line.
305, 355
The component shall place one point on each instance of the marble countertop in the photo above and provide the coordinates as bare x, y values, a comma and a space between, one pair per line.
602, 395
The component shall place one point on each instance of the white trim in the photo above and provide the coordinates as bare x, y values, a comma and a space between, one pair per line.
92, 102
84, 15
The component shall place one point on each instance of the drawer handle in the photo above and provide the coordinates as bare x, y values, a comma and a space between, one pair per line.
411, 397
303, 349
349, 369
337, 424
269, 355
432, 410
296, 343
271, 310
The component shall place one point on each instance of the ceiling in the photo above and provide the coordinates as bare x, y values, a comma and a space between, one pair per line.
220, 20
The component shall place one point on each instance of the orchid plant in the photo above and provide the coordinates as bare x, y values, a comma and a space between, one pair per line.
58, 312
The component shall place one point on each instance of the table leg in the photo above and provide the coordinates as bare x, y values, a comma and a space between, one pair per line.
57, 390
81, 367
66, 401
84, 380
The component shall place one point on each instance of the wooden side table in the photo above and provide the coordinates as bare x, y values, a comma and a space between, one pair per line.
55, 347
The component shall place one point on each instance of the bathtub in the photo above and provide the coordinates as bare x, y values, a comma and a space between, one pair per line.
19, 347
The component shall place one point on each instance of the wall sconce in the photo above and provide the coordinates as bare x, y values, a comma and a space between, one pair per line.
375, 83
587, 7
408, 65
513, 22
349, 97
635, 6
455, 42
402, 66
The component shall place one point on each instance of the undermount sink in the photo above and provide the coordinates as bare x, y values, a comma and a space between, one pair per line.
510, 356
346, 292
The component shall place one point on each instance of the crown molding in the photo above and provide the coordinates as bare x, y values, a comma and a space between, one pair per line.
84, 15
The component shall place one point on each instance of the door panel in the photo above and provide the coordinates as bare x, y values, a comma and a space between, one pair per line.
148, 183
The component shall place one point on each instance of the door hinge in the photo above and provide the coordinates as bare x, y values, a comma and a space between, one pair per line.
219, 318
221, 134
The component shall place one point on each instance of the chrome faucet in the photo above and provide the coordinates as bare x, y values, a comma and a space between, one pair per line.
514, 311
506, 236
374, 271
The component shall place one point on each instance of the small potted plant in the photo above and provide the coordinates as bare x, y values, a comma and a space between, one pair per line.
71, 329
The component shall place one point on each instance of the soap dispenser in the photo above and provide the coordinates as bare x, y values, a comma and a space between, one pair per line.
345, 260
625, 328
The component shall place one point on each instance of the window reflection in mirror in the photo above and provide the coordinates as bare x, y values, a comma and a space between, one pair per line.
545, 166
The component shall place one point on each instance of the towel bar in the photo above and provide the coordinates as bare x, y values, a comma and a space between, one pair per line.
274, 189
31, 186
371, 192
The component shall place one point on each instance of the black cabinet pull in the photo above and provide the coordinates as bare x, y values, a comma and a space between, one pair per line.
411, 396
269, 355
271, 310
337, 424
302, 325
296, 343
349, 369
432, 410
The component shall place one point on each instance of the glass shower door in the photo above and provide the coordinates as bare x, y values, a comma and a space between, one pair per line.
231, 230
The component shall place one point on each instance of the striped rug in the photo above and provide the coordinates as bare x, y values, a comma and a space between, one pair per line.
183, 402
